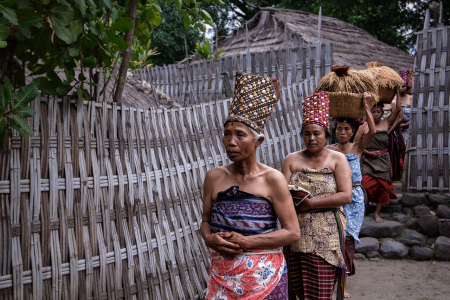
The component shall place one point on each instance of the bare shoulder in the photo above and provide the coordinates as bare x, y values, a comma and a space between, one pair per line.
216, 173
332, 147
274, 176
292, 157
338, 156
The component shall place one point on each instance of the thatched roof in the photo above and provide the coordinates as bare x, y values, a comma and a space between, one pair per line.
351, 45
137, 92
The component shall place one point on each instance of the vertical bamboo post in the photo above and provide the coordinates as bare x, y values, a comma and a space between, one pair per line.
319, 25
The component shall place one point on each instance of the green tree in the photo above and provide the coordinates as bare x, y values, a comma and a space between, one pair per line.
46, 37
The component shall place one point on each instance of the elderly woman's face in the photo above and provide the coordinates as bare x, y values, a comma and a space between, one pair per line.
344, 132
314, 137
239, 141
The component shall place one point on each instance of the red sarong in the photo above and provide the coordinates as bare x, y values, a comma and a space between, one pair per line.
349, 255
378, 190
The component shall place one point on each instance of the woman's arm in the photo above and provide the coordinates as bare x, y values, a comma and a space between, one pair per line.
360, 131
343, 176
396, 111
214, 241
367, 139
285, 211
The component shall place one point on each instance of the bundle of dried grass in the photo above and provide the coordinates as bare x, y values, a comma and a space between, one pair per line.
344, 79
386, 79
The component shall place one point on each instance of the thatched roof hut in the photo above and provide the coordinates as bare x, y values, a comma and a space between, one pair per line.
281, 28
137, 92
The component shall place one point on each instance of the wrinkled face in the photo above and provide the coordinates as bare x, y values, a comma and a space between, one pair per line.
377, 113
314, 137
344, 132
239, 141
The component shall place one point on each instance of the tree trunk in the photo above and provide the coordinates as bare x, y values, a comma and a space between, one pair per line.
126, 55
7, 58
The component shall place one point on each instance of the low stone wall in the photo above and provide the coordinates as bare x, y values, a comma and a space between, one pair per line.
415, 226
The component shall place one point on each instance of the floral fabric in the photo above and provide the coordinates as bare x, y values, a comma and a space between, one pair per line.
244, 277
253, 100
355, 210
315, 110
252, 275
319, 230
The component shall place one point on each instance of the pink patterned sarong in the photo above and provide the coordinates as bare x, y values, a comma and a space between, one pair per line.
245, 277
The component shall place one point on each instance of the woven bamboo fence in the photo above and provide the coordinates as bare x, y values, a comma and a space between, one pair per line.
104, 202
200, 82
430, 121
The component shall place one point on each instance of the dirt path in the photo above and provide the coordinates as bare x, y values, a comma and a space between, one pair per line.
400, 279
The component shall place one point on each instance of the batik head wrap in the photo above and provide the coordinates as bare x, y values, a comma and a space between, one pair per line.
407, 76
315, 110
253, 100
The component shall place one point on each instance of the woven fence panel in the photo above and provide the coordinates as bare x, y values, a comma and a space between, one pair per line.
429, 146
105, 202
200, 81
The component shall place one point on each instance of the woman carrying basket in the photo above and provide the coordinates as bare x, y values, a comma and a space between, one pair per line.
345, 128
243, 201
317, 260
375, 163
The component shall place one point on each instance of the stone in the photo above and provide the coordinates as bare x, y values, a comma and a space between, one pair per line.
368, 244
380, 230
444, 229
431, 241
400, 217
421, 253
371, 208
408, 211
393, 249
421, 210
390, 208
374, 259
359, 256
373, 254
411, 238
429, 225
443, 211
442, 248
412, 200
412, 223
396, 201
435, 200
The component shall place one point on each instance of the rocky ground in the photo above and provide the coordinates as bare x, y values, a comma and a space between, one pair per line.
400, 279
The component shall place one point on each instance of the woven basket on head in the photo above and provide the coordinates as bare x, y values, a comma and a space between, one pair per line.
347, 105
386, 79
344, 79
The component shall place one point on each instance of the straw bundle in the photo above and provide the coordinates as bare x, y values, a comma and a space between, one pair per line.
386, 79
347, 105
343, 79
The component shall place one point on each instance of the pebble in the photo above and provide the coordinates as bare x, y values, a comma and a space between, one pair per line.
442, 248
412, 200
373, 254
374, 259
412, 223
443, 211
431, 241
400, 217
429, 225
380, 230
435, 200
368, 244
421, 210
444, 229
411, 238
393, 249
421, 253
408, 211
390, 208
359, 256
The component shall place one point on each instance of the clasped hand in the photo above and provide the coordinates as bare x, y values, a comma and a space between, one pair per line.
226, 243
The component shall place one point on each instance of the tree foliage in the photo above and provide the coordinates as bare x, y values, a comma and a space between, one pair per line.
393, 22
44, 38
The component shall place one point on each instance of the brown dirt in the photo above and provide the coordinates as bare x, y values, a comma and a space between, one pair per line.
400, 279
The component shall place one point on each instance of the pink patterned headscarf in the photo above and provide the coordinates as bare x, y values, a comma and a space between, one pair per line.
407, 76
315, 110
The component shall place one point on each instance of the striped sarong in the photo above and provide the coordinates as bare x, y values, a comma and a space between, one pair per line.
311, 277
349, 255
